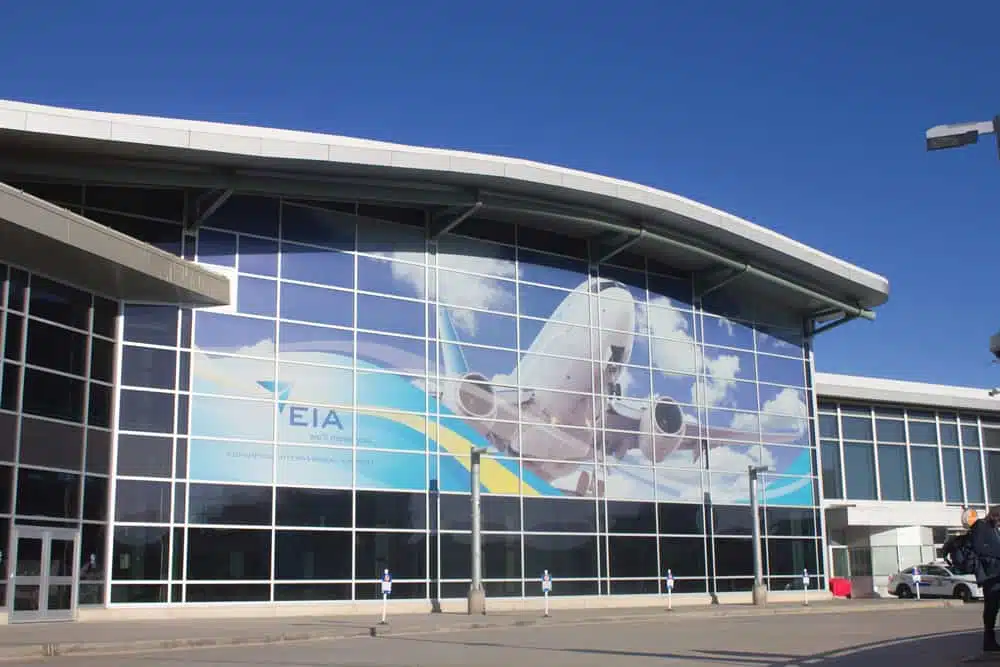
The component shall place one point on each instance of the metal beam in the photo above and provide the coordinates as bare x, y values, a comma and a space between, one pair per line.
831, 325
723, 281
441, 225
215, 199
622, 246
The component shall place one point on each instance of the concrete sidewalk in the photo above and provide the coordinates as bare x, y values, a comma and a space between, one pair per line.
41, 640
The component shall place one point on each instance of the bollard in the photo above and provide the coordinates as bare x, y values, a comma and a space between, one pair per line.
546, 589
805, 587
670, 590
386, 590
916, 581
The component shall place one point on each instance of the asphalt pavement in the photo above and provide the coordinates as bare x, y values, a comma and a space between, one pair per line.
899, 635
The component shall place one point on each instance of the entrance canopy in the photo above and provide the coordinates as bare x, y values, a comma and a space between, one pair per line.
62, 245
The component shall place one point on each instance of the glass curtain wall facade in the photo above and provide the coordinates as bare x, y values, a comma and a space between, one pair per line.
905, 454
55, 421
290, 446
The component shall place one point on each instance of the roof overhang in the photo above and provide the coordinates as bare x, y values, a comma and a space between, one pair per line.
898, 392
62, 245
713, 245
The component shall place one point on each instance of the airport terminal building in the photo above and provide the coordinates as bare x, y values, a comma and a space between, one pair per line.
246, 367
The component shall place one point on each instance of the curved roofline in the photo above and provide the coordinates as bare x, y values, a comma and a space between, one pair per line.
864, 287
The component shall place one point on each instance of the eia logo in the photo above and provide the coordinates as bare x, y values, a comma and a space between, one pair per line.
301, 416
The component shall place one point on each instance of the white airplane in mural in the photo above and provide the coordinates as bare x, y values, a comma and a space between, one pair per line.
657, 427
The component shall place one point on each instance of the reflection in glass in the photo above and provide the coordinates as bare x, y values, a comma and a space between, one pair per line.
217, 248
388, 315
923, 433
317, 305
728, 333
222, 553
257, 296
893, 472
857, 428
217, 332
926, 474
859, 463
830, 456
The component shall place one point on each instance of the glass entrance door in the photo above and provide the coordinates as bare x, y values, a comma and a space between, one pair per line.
44, 574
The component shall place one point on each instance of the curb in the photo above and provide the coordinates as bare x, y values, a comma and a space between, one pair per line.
49, 650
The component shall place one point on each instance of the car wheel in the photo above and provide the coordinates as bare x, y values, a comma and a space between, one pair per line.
963, 593
903, 591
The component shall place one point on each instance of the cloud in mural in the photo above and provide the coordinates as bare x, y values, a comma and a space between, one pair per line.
785, 412
471, 291
672, 349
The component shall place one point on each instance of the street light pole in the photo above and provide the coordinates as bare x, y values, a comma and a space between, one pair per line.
956, 135
759, 589
477, 596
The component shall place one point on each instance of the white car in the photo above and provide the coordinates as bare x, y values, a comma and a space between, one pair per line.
936, 580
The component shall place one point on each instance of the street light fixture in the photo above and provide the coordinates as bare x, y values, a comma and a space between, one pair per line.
759, 589
477, 595
955, 135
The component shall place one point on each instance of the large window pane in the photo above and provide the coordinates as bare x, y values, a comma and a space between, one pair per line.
632, 556
973, 477
859, 461
149, 367
832, 484
146, 411
951, 458
404, 554
59, 303
926, 474
923, 433
140, 552
970, 436
949, 434
566, 556
51, 395
47, 493
314, 507
142, 502
54, 347
890, 430
218, 554
893, 472
151, 324
857, 428
229, 504
312, 555
993, 476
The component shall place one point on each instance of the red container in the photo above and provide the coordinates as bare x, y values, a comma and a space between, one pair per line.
840, 587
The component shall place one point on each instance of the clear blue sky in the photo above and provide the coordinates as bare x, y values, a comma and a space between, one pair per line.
806, 117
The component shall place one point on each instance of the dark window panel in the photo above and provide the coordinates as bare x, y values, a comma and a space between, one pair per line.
13, 337
105, 313
228, 592
408, 590
974, 477
312, 592
312, 555
180, 503
144, 455
993, 476
405, 554
562, 515
503, 589
923, 433
139, 593
140, 552
830, 457
156, 325
949, 434
17, 285
219, 554
632, 556
180, 462
183, 404
11, 386
177, 593
501, 556
247, 213
630, 517
95, 498
178, 551
149, 367
893, 472
683, 556
56, 348
184, 371
98, 451
857, 428
6, 486
322, 508
991, 438
498, 513
791, 522
51, 395
952, 475
828, 427
636, 587
732, 520
102, 360
47, 493
681, 519
99, 405
859, 461
51, 444
733, 585
165, 236
8, 439
142, 501
59, 303
890, 430
146, 411
570, 556
382, 509
186, 319
546, 241
224, 504
926, 474
791, 556
733, 557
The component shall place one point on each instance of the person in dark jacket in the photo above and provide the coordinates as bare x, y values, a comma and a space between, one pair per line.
986, 544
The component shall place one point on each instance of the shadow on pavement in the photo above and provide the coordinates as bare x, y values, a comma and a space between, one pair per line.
944, 649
